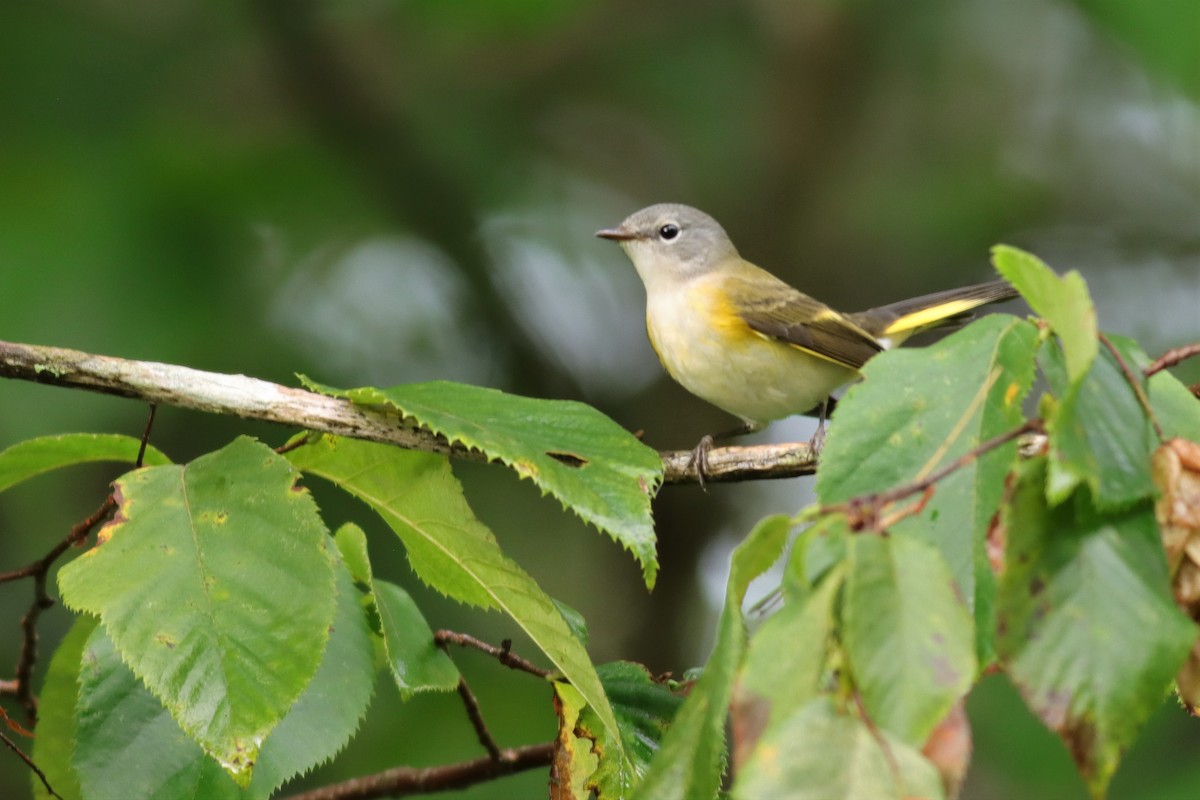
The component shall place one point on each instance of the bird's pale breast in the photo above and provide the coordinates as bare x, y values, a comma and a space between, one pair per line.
714, 354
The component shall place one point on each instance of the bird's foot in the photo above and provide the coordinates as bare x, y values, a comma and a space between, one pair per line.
699, 459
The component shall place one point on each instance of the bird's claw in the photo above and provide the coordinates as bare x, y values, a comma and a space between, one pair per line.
699, 459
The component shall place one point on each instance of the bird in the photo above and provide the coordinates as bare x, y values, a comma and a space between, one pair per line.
745, 341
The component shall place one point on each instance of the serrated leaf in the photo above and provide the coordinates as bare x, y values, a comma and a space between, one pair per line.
417, 664
1089, 633
920, 409
54, 743
592, 465
692, 756
215, 584
1098, 433
418, 497
819, 754
1178, 410
1063, 302
333, 704
907, 634
34, 457
644, 709
130, 747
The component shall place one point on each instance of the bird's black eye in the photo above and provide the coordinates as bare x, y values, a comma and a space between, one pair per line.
668, 232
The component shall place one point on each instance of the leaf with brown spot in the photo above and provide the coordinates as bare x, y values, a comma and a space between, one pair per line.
1094, 650
224, 623
570, 450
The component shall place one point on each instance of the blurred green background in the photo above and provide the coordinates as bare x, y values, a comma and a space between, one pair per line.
382, 191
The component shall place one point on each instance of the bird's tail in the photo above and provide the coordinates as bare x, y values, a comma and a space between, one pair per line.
898, 321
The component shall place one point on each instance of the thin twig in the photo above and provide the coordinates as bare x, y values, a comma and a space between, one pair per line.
864, 510
294, 444
407, 781
910, 510
77, 533
1136, 385
145, 436
11, 745
1171, 358
476, 717
38, 570
502, 654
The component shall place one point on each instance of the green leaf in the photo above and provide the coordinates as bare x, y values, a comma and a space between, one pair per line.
1178, 410
592, 465
690, 762
322, 721
129, 746
1099, 434
818, 754
1089, 632
786, 661
574, 620
908, 636
819, 550
1063, 302
418, 497
215, 583
920, 409
644, 709
54, 743
33, 457
416, 662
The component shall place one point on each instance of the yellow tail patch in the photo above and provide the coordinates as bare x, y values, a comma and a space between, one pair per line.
930, 316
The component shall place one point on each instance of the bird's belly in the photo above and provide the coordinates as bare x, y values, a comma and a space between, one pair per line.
718, 358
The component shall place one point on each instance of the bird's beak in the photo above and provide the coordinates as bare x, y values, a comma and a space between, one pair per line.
616, 234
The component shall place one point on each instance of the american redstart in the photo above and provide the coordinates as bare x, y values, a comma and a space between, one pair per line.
735, 335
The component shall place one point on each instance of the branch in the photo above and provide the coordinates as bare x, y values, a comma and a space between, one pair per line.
404, 781
251, 398
744, 463
1171, 358
22, 685
502, 654
1136, 386
865, 511
11, 745
217, 393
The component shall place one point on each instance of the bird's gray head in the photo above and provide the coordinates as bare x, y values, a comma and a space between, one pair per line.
670, 242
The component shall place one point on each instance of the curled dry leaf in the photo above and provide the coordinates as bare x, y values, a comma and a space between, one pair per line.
1177, 476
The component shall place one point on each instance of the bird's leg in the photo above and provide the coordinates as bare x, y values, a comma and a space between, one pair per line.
699, 458
817, 443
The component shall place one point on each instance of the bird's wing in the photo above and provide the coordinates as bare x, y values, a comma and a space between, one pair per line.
900, 320
775, 310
